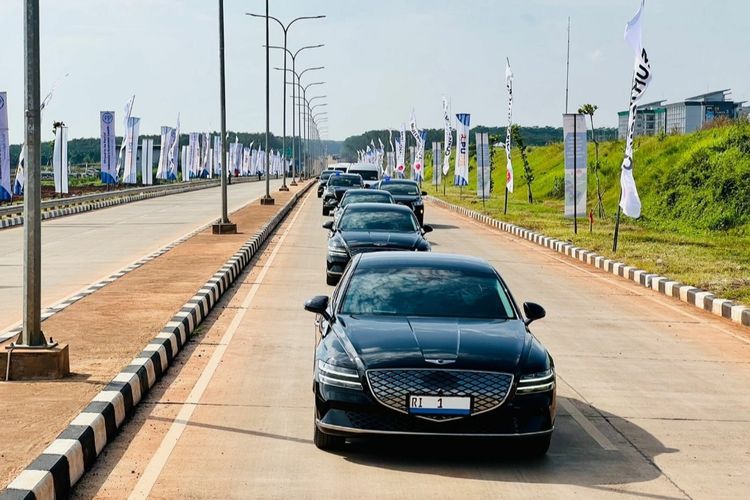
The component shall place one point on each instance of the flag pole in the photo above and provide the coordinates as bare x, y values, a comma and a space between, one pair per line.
575, 173
505, 211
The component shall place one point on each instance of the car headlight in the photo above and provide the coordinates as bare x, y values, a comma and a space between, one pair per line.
337, 247
338, 376
536, 382
418, 203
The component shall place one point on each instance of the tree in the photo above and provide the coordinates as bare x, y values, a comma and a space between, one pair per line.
590, 109
528, 174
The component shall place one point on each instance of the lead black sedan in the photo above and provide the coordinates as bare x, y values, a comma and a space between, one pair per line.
429, 344
371, 227
405, 192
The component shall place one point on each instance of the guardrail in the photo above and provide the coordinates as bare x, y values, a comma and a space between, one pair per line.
13, 215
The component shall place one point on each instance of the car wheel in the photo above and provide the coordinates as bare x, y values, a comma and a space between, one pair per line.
325, 441
320, 195
325, 211
332, 279
536, 446
421, 221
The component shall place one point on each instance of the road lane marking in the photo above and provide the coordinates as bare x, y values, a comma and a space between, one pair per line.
587, 425
159, 460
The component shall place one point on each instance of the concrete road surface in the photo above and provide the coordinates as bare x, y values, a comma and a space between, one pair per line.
80, 249
654, 397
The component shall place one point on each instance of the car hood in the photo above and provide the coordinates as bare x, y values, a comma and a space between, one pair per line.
386, 240
405, 198
409, 342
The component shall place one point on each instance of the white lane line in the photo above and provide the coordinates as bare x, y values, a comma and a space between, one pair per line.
158, 461
586, 425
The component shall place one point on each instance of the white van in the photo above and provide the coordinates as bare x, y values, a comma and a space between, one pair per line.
370, 172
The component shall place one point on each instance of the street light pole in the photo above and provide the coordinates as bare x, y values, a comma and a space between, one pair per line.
224, 226
32, 335
267, 199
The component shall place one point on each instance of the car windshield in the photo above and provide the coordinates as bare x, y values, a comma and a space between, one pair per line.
325, 174
426, 291
346, 181
391, 221
402, 189
368, 175
373, 197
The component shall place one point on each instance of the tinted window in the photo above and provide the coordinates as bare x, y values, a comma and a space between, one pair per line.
423, 291
360, 220
373, 197
325, 174
402, 189
368, 175
347, 181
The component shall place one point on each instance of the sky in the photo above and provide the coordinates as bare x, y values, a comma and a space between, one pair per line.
382, 59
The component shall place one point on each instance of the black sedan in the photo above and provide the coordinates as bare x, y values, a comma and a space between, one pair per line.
353, 196
405, 192
338, 184
323, 180
371, 227
429, 344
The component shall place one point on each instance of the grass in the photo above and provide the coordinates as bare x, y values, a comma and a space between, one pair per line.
695, 192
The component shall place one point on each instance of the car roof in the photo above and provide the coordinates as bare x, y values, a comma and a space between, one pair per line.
395, 260
367, 166
399, 181
344, 174
351, 192
378, 207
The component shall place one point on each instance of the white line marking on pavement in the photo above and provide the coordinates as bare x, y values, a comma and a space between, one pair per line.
586, 425
158, 461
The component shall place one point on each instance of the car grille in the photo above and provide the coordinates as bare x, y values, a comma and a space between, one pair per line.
392, 387
356, 250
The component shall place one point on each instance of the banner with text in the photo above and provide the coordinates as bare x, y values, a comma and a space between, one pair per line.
108, 173
5, 193
484, 172
461, 171
574, 136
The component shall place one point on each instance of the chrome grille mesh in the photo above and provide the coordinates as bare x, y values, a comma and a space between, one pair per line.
391, 387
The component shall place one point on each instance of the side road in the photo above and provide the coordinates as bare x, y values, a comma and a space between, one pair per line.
107, 328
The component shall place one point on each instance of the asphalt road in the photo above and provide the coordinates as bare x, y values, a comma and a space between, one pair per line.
81, 249
654, 396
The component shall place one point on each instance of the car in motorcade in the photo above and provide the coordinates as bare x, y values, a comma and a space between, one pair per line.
369, 171
429, 344
338, 184
339, 167
371, 227
353, 196
405, 192
323, 180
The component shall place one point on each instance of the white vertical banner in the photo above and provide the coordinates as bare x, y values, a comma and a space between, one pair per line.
418, 165
130, 172
461, 171
508, 162
147, 161
193, 154
574, 137
411, 161
630, 202
447, 137
121, 162
5, 193
185, 164
108, 173
401, 152
437, 167
206, 156
217, 154
164, 147
484, 175
60, 160
174, 152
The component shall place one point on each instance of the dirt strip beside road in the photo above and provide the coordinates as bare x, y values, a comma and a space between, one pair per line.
106, 329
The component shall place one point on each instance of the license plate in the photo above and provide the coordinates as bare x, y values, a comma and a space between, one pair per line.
439, 405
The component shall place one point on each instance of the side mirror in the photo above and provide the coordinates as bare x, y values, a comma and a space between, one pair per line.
328, 225
318, 305
533, 312
427, 228
424, 193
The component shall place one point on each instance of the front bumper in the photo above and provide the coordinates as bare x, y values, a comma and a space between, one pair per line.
352, 413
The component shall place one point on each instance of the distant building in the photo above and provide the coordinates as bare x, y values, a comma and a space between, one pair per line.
680, 117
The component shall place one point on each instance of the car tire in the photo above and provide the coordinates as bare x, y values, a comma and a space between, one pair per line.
421, 221
332, 279
320, 195
325, 211
536, 446
327, 442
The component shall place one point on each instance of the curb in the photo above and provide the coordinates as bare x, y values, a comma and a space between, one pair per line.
704, 300
17, 220
53, 473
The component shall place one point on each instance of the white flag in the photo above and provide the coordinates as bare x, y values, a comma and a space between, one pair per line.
447, 138
508, 163
5, 193
60, 160
629, 200
130, 171
174, 150
461, 172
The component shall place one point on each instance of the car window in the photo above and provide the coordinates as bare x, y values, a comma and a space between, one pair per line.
340, 180
360, 220
423, 291
368, 175
373, 197
402, 189
325, 174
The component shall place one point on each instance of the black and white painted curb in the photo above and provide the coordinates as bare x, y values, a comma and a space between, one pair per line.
701, 299
116, 199
67, 458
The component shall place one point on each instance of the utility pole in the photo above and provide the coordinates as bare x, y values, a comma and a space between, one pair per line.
224, 226
267, 199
